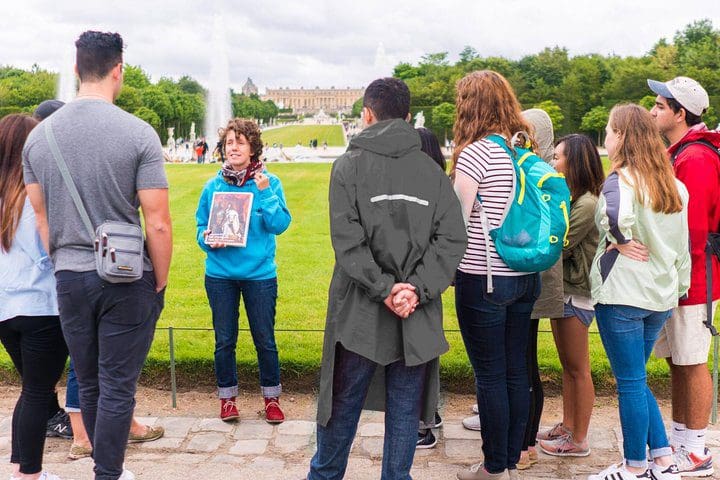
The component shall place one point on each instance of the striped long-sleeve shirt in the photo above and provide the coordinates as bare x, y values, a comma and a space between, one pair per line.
489, 166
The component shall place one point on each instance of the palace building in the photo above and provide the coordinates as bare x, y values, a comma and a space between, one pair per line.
331, 100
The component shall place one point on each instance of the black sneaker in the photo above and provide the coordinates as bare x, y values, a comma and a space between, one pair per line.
438, 421
59, 426
426, 439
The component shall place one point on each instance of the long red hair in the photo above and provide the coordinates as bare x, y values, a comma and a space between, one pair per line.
485, 104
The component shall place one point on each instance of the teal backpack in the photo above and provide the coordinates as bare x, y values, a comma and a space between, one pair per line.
535, 225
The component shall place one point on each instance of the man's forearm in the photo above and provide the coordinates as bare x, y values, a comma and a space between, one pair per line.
159, 244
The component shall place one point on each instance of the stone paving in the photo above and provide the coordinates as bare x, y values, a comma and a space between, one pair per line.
206, 448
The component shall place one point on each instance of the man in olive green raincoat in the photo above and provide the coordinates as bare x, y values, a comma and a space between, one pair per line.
398, 236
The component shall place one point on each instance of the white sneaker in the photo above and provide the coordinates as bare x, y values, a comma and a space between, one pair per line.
475, 409
665, 473
472, 423
127, 475
619, 472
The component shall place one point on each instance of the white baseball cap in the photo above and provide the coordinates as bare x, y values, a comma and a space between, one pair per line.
688, 93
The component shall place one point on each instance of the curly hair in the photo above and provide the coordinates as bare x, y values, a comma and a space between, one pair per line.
249, 129
97, 54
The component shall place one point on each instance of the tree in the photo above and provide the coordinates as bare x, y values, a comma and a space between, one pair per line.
468, 54
443, 117
135, 77
189, 85
648, 101
158, 101
129, 99
595, 121
357, 108
554, 112
403, 71
439, 59
144, 113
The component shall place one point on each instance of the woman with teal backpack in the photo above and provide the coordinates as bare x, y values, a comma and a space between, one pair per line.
494, 322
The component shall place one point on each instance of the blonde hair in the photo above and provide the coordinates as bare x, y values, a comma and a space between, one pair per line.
641, 151
485, 104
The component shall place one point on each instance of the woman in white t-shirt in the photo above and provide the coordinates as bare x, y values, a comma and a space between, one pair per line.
494, 325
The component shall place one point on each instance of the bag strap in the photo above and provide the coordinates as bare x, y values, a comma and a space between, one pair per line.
67, 178
712, 248
694, 142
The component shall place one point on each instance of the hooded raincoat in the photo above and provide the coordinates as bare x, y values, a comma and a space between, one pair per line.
393, 218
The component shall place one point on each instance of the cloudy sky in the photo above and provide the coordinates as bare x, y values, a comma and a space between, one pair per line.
332, 42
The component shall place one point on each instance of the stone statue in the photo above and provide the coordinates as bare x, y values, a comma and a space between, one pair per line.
419, 119
193, 136
171, 138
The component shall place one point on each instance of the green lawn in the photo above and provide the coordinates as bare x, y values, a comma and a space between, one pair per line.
305, 261
292, 134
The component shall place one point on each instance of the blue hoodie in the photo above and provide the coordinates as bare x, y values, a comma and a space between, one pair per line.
269, 217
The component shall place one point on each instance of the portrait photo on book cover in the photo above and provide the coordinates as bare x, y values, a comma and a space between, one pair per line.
229, 218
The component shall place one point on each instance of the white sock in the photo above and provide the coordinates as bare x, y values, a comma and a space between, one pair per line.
677, 437
695, 441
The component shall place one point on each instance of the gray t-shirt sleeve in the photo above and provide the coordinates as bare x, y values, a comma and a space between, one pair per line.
28, 174
151, 167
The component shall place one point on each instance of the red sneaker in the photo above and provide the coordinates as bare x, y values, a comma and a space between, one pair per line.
228, 409
273, 413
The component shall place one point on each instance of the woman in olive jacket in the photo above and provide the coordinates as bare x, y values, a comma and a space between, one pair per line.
578, 159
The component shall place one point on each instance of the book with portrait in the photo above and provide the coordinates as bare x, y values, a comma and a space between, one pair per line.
229, 218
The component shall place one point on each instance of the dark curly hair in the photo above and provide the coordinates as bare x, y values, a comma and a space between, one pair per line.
97, 54
250, 129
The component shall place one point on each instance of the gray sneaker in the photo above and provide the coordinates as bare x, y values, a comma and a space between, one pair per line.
478, 472
472, 423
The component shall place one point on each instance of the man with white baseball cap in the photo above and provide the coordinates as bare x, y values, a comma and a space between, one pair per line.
685, 341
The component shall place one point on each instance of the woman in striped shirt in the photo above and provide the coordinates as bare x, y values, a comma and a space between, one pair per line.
494, 324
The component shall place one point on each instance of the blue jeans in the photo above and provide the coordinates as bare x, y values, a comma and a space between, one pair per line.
495, 329
108, 328
259, 298
351, 379
72, 394
628, 335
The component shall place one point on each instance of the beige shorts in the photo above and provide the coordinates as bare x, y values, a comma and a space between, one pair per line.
684, 337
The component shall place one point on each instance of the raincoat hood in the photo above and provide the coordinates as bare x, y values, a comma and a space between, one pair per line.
389, 138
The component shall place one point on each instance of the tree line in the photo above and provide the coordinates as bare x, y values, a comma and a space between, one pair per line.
577, 92
165, 103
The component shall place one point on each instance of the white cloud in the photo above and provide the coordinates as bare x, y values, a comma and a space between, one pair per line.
325, 42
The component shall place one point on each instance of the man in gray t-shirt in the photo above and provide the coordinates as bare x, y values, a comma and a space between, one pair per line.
116, 163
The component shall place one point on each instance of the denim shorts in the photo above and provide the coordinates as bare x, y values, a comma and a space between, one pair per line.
585, 316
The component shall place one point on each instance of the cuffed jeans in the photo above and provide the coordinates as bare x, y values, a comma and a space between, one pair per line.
37, 349
628, 335
495, 329
109, 328
259, 298
351, 379
72, 393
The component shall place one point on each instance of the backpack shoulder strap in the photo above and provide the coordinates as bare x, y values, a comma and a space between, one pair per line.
67, 178
694, 142
501, 142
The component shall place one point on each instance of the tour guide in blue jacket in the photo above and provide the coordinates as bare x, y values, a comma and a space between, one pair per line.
249, 271
394, 218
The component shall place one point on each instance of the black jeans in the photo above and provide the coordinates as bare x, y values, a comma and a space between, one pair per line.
37, 348
495, 328
109, 328
537, 395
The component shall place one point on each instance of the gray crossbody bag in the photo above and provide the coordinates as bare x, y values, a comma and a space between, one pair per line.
119, 246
